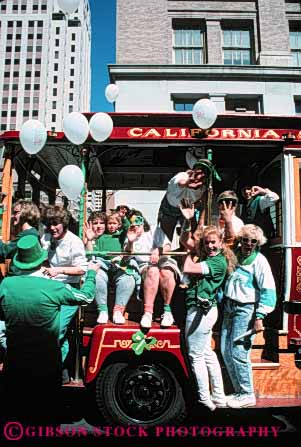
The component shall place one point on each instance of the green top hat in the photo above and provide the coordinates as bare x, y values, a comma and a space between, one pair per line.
207, 166
30, 253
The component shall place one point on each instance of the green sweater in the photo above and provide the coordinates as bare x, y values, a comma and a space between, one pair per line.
206, 286
110, 242
30, 307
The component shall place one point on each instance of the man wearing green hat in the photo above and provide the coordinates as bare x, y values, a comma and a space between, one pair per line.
189, 185
30, 306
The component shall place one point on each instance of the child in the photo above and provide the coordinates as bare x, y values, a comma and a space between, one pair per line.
111, 269
207, 275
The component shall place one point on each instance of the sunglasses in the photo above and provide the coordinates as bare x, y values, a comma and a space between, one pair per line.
246, 240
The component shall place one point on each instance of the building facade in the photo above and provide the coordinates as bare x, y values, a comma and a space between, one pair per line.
243, 55
45, 70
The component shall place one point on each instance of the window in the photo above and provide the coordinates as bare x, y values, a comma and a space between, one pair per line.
6, 74
25, 112
244, 104
71, 71
39, 36
15, 7
295, 43
14, 100
70, 96
8, 49
40, 22
15, 87
237, 46
72, 48
54, 104
56, 67
28, 61
54, 91
7, 61
30, 36
37, 60
23, 7
35, 100
188, 45
4, 100
44, 7
18, 36
298, 106
53, 117
55, 79
4, 113
35, 113
28, 73
9, 36
13, 113
27, 87
35, 7
73, 37
37, 73
56, 55
26, 100
17, 49
57, 30
57, 42
71, 84
72, 60
183, 105
36, 87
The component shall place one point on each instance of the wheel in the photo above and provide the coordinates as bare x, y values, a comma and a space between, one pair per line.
145, 395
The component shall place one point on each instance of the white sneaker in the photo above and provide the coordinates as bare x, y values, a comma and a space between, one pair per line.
103, 317
242, 401
208, 403
220, 402
146, 320
118, 318
167, 319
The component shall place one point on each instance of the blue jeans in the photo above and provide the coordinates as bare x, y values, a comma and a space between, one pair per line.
2, 335
238, 318
204, 362
124, 283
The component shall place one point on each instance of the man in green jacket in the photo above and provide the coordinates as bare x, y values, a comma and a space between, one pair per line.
30, 306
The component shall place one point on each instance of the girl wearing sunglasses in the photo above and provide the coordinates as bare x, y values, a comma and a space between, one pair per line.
250, 294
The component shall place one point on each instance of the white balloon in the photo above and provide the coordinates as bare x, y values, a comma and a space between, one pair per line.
204, 113
71, 181
68, 6
111, 92
101, 126
33, 136
76, 127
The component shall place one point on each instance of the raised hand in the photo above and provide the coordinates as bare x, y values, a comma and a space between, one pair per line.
132, 233
256, 190
227, 210
89, 233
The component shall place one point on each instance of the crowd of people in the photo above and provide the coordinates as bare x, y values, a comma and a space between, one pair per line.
50, 276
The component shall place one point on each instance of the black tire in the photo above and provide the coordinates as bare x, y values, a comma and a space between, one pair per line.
145, 395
